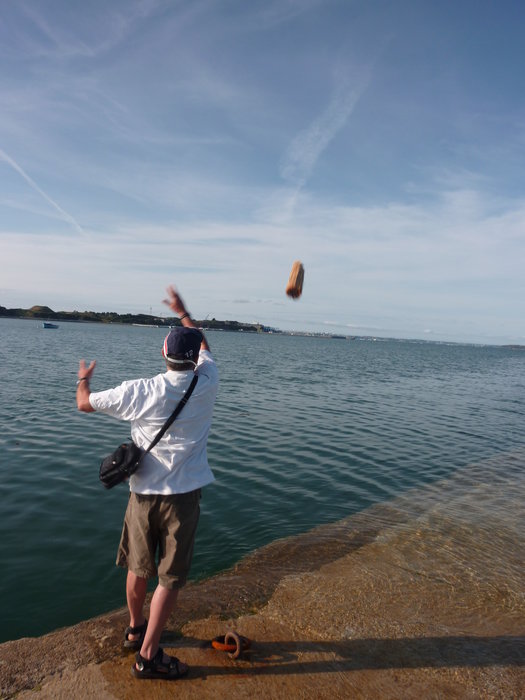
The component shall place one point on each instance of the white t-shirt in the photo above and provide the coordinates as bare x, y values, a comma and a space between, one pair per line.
179, 462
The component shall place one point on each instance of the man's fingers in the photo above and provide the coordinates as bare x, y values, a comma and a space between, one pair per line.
86, 370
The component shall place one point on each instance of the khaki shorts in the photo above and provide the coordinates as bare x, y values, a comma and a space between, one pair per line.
163, 526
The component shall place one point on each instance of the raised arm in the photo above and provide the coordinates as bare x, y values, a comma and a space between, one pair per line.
83, 390
177, 305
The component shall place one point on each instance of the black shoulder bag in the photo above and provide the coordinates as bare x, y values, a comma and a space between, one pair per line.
126, 459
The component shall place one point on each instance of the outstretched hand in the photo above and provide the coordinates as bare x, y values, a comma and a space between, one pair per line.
174, 301
86, 372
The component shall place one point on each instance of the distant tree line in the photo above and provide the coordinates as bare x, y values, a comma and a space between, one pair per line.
47, 314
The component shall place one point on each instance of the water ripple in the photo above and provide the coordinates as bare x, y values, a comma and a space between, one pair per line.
295, 443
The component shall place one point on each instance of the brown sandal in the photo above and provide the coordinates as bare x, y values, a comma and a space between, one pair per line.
135, 644
157, 668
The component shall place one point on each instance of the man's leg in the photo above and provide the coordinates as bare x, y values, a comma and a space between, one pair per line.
161, 606
179, 517
136, 588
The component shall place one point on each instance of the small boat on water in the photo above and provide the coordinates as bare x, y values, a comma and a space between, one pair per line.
48, 324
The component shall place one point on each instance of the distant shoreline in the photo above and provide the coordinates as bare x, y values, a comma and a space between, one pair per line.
44, 313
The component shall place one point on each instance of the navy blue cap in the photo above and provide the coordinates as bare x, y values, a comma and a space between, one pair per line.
182, 345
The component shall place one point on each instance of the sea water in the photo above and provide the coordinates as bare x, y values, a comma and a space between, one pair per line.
306, 431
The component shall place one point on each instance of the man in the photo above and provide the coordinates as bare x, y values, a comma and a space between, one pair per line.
163, 509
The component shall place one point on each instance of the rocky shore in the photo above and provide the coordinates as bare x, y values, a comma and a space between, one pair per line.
396, 602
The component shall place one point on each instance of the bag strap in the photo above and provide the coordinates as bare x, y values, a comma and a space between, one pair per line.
175, 413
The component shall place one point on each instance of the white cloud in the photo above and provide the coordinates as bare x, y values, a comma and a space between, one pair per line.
377, 269
67, 35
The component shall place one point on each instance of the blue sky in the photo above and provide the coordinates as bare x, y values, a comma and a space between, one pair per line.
212, 143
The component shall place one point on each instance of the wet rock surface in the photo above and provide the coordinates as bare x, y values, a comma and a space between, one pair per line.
395, 602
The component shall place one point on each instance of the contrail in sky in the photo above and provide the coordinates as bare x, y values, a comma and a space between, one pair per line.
309, 144
306, 148
63, 214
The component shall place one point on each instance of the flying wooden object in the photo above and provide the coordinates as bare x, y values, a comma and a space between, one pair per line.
294, 288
